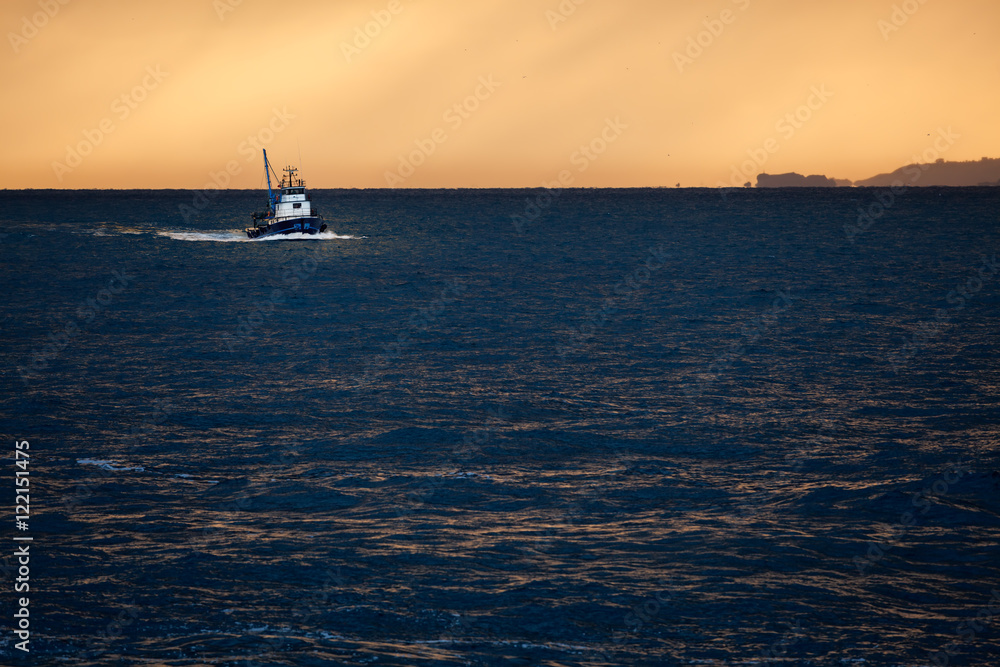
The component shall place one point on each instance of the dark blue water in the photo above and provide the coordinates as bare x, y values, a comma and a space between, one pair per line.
646, 427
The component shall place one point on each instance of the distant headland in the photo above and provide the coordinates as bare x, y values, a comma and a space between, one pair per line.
984, 172
794, 180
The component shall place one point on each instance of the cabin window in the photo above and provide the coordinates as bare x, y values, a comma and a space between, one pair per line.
296, 205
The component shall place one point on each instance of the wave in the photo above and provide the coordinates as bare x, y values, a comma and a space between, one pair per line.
236, 236
109, 465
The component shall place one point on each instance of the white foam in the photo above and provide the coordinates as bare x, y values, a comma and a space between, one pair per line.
469, 475
236, 236
218, 237
109, 465
324, 236
501, 642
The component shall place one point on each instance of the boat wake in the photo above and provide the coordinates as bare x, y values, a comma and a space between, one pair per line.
109, 229
236, 236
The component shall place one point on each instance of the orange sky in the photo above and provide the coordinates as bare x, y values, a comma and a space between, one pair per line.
226, 66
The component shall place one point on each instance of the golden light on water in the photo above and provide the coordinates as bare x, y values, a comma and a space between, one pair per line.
695, 88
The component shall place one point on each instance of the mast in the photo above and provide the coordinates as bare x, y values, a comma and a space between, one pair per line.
267, 172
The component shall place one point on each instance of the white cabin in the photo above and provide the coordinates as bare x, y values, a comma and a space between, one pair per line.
292, 202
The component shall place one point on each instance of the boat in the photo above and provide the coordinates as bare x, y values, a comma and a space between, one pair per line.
289, 210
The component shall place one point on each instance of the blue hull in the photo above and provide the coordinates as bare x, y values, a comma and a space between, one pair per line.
310, 226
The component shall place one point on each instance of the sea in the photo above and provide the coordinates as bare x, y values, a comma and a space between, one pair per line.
502, 427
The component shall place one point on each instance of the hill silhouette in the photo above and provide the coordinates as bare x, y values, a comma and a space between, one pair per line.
975, 172
984, 172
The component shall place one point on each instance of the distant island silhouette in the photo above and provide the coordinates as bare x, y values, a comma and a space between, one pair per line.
984, 172
794, 180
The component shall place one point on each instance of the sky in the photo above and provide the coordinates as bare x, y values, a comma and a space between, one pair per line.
490, 93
